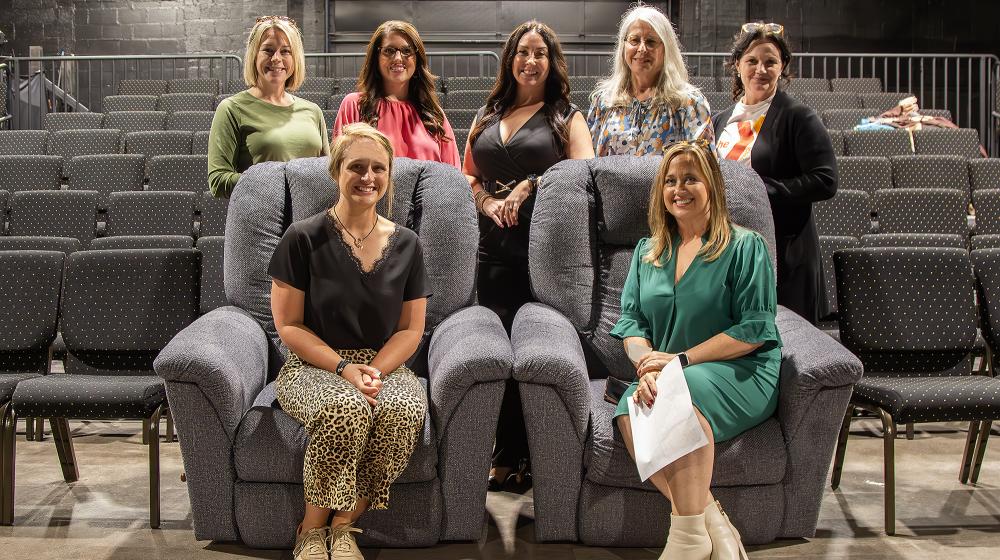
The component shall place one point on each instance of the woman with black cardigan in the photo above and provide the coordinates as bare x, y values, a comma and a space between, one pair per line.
787, 145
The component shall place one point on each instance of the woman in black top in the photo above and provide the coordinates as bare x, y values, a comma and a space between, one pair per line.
787, 145
527, 125
348, 297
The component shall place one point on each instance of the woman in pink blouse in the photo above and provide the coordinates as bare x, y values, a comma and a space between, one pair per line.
396, 96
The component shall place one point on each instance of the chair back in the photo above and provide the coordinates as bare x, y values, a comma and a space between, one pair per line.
588, 218
30, 284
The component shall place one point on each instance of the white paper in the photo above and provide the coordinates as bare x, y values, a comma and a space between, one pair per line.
668, 430
636, 351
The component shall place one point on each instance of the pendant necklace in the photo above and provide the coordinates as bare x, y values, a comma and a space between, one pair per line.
359, 242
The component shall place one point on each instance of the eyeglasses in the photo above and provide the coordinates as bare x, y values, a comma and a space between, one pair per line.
773, 28
390, 52
286, 19
698, 142
636, 40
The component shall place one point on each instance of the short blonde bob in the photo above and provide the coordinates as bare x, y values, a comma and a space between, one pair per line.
257, 33
352, 133
662, 224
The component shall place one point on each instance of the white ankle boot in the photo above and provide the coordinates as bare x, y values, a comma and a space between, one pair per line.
688, 539
726, 542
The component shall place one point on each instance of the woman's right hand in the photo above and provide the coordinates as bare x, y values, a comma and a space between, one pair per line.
367, 379
493, 209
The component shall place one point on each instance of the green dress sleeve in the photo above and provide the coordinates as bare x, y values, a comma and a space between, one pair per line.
324, 135
223, 151
754, 301
632, 321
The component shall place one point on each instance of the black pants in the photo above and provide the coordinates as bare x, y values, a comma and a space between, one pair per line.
504, 289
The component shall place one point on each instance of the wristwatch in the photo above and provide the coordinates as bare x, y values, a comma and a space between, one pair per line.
344, 362
683, 357
533, 179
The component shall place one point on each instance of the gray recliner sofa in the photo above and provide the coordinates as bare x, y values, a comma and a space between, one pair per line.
588, 217
243, 455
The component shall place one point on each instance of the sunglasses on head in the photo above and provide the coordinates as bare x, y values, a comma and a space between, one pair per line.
286, 19
773, 28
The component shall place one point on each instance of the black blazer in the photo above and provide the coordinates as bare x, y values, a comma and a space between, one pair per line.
794, 156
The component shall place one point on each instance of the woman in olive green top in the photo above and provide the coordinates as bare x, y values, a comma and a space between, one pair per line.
702, 291
265, 122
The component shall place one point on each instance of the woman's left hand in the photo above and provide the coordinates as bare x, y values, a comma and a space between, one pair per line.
645, 393
653, 362
513, 202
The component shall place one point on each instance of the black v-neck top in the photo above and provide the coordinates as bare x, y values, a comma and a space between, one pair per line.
345, 306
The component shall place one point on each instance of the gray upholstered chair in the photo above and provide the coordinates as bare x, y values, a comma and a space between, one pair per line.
587, 219
243, 455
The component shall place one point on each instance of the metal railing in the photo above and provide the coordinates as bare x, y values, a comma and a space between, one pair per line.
965, 84
442, 63
45, 84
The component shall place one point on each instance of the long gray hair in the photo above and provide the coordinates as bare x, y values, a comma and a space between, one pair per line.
672, 88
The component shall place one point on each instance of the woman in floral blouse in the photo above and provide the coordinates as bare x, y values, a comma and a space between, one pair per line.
647, 102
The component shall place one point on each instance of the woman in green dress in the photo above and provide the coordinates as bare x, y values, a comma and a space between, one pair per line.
702, 291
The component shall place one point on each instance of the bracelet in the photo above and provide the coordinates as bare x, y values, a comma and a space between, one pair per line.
344, 362
480, 198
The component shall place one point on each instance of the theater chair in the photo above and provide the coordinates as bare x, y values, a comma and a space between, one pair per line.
588, 217
243, 455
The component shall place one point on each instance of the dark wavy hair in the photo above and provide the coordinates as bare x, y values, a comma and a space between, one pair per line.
421, 87
505, 89
742, 42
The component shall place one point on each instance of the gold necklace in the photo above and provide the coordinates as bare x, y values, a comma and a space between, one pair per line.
359, 242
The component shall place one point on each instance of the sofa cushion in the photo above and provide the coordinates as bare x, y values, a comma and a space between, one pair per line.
756, 456
270, 445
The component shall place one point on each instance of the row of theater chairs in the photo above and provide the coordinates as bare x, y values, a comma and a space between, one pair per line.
962, 142
69, 144
105, 173
77, 214
102, 302
130, 120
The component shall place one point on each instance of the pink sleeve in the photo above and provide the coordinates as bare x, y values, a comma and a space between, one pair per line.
349, 113
449, 150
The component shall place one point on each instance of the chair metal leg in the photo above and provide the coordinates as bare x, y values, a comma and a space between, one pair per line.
39, 429
154, 469
909, 430
64, 447
8, 430
984, 435
969, 452
170, 428
145, 431
29, 429
838, 459
889, 443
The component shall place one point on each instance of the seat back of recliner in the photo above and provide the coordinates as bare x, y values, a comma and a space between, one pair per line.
588, 218
432, 199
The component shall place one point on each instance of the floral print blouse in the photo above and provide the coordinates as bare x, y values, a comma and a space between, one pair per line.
642, 128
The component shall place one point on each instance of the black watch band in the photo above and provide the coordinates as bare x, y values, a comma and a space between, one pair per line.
533, 179
683, 357
344, 362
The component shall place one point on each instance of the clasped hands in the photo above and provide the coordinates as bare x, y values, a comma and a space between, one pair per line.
503, 211
647, 370
367, 379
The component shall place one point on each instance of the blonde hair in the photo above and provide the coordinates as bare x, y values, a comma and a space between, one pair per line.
662, 224
352, 133
672, 87
257, 33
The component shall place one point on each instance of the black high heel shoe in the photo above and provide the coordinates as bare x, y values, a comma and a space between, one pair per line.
519, 480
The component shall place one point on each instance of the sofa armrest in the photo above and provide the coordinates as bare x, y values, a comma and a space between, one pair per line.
547, 351
811, 362
467, 348
225, 354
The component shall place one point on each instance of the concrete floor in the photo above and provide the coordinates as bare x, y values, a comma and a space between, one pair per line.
104, 514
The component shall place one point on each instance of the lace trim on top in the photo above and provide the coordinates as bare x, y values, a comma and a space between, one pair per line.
350, 249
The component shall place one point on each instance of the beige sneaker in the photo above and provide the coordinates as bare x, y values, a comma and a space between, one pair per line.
311, 545
342, 543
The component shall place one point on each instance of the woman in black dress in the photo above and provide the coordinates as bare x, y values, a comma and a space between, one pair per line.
526, 126
787, 145
349, 297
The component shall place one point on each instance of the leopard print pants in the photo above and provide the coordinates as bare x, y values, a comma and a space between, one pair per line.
354, 450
